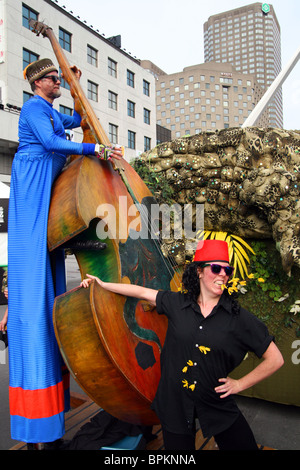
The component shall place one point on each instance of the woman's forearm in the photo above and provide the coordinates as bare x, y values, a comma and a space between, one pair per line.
129, 290
272, 361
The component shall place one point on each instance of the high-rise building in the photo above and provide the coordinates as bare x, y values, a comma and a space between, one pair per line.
249, 39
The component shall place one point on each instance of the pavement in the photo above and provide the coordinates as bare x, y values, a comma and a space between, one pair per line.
274, 425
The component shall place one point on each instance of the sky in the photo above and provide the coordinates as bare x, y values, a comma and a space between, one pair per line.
170, 34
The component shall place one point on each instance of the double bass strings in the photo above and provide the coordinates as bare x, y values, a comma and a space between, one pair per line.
151, 228
157, 240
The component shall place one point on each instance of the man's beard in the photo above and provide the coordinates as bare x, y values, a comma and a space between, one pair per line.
56, 93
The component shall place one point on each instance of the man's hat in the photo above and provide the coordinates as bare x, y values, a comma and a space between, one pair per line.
212, 250
38, 69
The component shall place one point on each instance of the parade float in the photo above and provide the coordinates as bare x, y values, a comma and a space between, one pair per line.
248, 183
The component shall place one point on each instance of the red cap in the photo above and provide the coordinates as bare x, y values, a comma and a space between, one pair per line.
212, 250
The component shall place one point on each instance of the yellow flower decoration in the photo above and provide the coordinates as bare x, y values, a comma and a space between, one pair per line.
189, 363
185, 383
237, 285
204, 349
181, 288
232, 289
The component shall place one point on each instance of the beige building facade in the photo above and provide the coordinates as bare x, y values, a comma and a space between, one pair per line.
204, 97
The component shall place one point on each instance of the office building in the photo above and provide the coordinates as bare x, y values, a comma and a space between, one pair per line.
249, 39
204, 97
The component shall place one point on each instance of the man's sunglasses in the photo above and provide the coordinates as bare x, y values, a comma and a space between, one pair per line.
217, 268
54, 78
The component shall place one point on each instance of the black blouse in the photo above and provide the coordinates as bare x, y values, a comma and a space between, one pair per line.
197, 352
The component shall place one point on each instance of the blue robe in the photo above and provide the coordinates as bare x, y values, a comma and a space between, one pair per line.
36, 391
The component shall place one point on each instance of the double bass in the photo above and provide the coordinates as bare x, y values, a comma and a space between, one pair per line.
111, 344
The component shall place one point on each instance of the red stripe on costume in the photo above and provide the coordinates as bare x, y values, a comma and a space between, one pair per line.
36, 404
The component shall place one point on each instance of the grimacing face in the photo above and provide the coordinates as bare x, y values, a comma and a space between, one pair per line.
210, 282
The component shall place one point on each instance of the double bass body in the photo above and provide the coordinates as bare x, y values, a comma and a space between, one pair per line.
109, 343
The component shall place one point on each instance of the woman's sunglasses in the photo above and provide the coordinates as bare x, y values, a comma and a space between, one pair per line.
54, 78
217, 268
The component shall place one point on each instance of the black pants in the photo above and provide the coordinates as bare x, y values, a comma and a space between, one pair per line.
238, 436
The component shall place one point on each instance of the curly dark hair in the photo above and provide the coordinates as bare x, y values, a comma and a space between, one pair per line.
190, 281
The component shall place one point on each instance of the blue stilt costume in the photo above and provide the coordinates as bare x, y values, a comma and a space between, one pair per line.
37, 401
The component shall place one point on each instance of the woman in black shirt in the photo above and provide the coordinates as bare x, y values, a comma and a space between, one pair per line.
208, 336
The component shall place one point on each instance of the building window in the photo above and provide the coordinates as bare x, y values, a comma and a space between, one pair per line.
92, 56
146, 116
130, 108
63, 82
147, 143
65, 39
146, 88
92, 91
113, 133
28, 57
130, 78
27, 14
65, 110
131, 140
112, 100
26, 96
112, 68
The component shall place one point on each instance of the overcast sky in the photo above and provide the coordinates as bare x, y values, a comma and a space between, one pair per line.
170, 34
